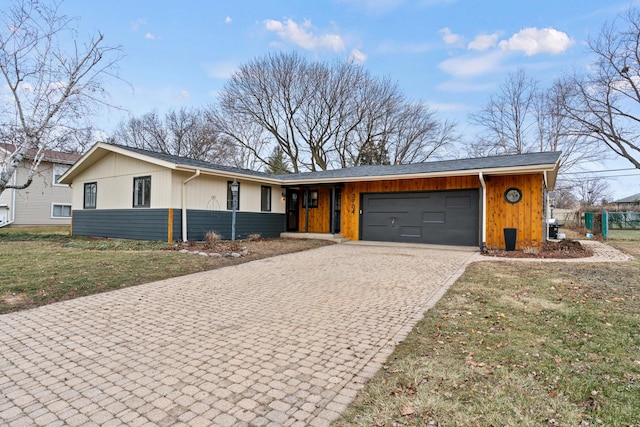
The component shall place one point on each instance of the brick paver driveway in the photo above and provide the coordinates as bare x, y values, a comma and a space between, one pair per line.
281, 341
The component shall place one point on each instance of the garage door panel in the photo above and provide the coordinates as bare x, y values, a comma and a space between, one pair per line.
457, 202
411, 232
433, 217
441, 217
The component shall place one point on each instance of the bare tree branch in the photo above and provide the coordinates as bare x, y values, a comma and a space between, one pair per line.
52, 88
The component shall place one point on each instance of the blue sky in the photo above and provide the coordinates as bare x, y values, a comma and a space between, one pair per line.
450, 54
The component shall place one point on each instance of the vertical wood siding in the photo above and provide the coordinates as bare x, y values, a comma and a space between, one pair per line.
318, 217
526, 216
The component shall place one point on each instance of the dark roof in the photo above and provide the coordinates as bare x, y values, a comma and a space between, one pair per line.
631, 199
192, 162
479, 163
445, 166
49, 155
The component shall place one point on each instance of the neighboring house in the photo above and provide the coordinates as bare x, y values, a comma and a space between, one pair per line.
46, 201
125, 192
630, 202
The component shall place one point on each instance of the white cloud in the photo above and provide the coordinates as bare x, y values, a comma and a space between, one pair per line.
135, 25
472, 65
149, 36
227, 20
483, 42
533, 41
451, 38
303, 35
358, 56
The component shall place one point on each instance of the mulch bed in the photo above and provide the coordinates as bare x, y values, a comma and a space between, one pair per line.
564, 249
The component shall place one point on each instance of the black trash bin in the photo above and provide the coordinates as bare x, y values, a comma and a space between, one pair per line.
510, 235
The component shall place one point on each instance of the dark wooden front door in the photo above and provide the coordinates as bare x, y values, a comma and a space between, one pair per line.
293, 203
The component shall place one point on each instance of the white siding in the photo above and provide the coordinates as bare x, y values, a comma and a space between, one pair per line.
114, 175
208, 192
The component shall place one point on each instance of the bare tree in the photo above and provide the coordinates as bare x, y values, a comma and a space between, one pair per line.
592, 191
555, 131
523, 117
324, 115
507, 117
49, 89
185, 133
604, 103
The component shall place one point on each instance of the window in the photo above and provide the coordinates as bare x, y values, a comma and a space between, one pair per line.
312, 198
142, 192
58, 171
265, 199
230, 196
59, 210
90, 193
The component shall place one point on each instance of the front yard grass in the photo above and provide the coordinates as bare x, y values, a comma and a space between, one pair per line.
42, 266
518, 344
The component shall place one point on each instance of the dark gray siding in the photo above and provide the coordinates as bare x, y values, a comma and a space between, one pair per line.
200, 222
152, 224
140, 224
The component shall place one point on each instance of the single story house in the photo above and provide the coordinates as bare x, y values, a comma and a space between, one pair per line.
46, 201
126, 192
629, 202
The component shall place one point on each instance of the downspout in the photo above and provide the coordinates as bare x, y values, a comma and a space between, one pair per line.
483, 233
184, 204
547, 211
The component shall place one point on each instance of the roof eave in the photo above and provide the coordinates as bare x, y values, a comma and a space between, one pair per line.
228, 174
467, 172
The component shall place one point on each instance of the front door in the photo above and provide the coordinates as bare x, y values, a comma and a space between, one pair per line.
336, 205
293, 201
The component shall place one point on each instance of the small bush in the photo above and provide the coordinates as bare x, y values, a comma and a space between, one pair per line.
211, 238
254, 236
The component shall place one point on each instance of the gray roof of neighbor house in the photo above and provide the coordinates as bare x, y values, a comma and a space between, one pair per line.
630, 199
493, 165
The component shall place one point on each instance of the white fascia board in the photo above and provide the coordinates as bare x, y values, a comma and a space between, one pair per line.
467, 172
228, 174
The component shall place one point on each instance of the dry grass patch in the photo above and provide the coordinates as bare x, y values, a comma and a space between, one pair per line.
41, 268
518, 344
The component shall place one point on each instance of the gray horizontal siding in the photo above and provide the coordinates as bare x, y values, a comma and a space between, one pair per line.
151, 224
199, 222
139, 224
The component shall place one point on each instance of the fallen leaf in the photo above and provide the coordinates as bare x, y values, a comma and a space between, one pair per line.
406, 411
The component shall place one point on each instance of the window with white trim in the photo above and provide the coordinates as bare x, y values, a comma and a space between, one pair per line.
60, 210
58, 171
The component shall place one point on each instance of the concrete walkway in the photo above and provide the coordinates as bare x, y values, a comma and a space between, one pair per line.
281, 341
